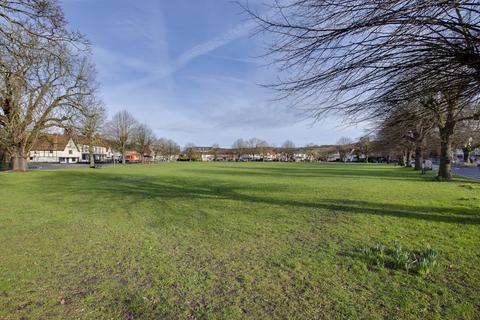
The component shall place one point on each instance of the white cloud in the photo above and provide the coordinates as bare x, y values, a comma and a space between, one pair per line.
204, 48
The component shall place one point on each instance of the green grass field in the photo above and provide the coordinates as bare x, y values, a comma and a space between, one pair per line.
234, 241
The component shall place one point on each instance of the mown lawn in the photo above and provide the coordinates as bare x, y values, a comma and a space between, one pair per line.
234, 241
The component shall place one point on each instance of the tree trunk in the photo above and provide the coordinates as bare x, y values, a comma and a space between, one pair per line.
19, 160
445, 170
418, 158
409, 158
123, 157
91, 157
5, 159
466, 155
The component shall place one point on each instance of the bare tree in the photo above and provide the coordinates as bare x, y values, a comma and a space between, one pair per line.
288, 149
392, 142
364, 146
239, 148
467, 138
159, 148
43, 71
166, 148
255, 146
38, 93
409, 124
261, 147
312, 151
190, 152
346, 56
417, 127
173, 149
42, 19
143, 139
340, 52
344, 147
91, 123
446, 109
215, 150
120, 131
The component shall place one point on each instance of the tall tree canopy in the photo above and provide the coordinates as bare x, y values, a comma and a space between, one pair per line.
356, 57
44, 71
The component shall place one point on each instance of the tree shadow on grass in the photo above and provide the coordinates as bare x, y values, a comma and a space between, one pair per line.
333, 170
326, 171
136, 188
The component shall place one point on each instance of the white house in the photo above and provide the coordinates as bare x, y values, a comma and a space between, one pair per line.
334, 157
207, 157
55, 149
63, 149
300, 156
101, 152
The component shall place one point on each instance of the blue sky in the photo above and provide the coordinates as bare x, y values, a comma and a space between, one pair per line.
191, 70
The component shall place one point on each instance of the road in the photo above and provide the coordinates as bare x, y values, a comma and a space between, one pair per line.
469, 172
57, 166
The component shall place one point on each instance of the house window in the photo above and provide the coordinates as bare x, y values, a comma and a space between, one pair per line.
70, 151
51, 151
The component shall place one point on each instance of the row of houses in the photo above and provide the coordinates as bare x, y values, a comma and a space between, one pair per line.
64, 149
329, 154
223, 154
268, 155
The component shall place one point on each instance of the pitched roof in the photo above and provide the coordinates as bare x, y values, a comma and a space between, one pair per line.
53, 142
99, 141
